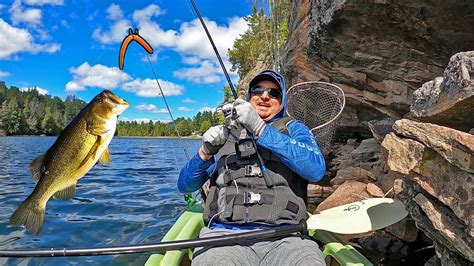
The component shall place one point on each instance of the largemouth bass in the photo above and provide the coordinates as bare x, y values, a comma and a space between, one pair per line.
77, 149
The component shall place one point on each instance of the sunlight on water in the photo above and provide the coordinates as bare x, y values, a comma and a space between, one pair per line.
134, 200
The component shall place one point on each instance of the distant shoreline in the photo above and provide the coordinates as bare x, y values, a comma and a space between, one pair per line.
159, 137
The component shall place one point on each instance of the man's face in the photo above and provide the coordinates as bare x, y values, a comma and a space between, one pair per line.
266, 105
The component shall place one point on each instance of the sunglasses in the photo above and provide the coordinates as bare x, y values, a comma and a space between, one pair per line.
272, 92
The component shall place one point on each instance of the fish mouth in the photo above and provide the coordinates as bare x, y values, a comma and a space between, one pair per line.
114, 99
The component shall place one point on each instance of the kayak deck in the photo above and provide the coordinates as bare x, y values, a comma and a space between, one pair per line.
189, 225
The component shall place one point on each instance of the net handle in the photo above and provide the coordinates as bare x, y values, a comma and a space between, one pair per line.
330, 85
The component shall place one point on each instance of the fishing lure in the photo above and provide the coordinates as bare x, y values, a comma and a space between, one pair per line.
132, 36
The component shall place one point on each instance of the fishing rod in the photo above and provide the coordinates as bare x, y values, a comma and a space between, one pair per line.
225, 240
268, 180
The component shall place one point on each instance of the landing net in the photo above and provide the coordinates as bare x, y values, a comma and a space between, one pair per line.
318, 105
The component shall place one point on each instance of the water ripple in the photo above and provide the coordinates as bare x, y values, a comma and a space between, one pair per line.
134, 200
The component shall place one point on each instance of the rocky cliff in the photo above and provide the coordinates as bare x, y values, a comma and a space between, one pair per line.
408, 74
378, 51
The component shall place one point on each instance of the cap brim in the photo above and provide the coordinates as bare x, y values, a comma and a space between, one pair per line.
261, 77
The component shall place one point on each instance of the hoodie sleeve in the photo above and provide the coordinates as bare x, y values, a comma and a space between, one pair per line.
298, 151
195, 173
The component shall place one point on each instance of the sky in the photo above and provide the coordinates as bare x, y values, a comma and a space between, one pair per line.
62, 47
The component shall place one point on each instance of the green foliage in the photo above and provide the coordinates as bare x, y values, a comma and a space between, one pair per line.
264, 37
29, 113
201, 122
252, 44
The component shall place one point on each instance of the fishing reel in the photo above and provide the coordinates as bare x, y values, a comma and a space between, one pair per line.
227, 109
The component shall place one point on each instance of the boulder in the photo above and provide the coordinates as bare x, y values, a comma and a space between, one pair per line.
448, 100
455, 146
405, 230
374, 190
449, 184
349, 191
380, 128
449, 234
352, 173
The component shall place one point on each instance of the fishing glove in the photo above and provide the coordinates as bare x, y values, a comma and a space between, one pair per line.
246, 114
213, 139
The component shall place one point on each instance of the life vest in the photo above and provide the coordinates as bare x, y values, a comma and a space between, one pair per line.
239, 193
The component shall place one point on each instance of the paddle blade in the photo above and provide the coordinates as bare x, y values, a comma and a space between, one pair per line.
359, 217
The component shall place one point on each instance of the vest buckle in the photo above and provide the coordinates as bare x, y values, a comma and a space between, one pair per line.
252, 170
252, 198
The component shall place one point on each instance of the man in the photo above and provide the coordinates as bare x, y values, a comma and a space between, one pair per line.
250, 189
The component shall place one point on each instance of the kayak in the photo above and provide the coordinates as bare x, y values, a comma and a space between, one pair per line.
190, 223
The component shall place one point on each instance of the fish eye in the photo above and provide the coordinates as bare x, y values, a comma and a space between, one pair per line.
100, 100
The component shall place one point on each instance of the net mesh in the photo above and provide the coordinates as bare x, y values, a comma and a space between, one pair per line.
318, 105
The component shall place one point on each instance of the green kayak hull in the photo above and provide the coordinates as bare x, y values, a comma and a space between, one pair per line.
189, 225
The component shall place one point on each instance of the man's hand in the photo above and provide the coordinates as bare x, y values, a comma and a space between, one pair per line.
213, 139
248, 117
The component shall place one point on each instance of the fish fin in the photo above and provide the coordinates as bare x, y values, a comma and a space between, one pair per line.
29, 215
105, 157
66, 193
36, 167
92, 152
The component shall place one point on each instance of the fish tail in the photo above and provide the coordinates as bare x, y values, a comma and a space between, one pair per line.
30, 215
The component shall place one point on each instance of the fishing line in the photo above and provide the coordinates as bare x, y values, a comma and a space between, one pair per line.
168, 108
266, 176
190, 200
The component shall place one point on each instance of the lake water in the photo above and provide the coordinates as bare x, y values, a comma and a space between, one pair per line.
132, 201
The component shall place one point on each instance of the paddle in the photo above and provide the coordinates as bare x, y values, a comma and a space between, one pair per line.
359, 217
353, 218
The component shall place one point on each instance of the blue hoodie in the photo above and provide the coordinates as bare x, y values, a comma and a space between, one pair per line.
297, 150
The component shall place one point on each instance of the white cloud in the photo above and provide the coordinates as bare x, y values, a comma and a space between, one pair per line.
191, 60
152, 57
38, 89
206, 73
95, 76
147, 13
150, 30
114, 12
44, 2
4, 73
115, 34
151, 108
64, 23
206, 109
192, 39
30, 16
149, 88
184, 109
188, 100
15, 40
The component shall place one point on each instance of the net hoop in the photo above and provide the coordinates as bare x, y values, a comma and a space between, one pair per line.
318, 105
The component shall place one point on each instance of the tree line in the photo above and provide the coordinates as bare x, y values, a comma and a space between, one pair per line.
30, 113
197, 125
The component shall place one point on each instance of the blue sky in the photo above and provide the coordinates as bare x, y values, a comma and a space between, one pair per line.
66, 47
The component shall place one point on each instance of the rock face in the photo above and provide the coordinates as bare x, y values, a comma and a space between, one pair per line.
378, 52
448, 100
437, 169
394, 60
